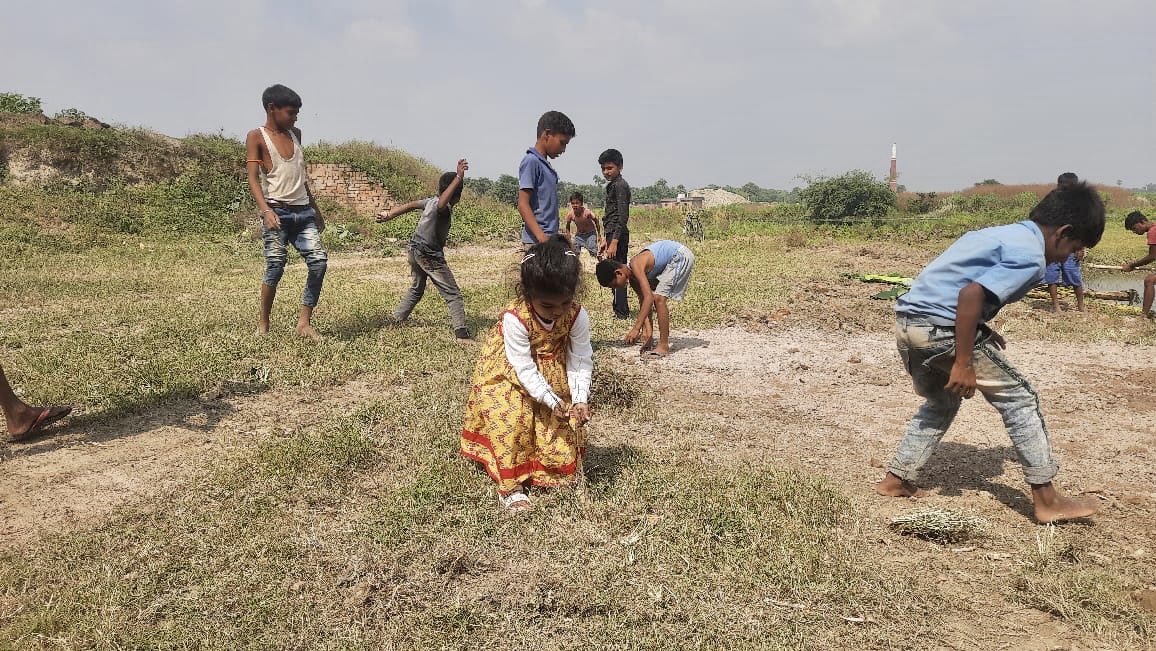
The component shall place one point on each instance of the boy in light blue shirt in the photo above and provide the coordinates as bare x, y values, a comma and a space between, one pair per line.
658, 274
950, 351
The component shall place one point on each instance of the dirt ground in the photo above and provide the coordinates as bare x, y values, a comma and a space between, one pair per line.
797, 390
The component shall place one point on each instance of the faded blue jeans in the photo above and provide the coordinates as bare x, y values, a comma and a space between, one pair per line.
299, 228
928, 352
435, 270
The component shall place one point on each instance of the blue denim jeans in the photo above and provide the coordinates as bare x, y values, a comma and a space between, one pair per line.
298, 228
423, 268
588, 241
928, 352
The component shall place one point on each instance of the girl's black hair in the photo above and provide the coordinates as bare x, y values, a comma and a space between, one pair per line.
550, 269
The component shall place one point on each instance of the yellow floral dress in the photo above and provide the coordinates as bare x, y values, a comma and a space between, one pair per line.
514, 437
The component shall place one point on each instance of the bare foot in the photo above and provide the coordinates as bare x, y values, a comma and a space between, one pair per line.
648, 344
306, 331
893, 486
1051, 506
262, 329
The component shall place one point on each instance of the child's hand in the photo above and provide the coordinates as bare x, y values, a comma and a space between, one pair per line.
580, 412
998, 340
382, 217
463, 165
271, 221
561, 412
632, 336
962, 380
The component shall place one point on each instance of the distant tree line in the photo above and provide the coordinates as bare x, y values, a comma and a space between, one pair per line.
505, 190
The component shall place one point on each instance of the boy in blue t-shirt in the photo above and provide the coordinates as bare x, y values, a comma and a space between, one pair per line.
1067, 272
950, 351
658, 273
537, 180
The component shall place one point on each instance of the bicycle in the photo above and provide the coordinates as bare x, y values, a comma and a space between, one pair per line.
692, 225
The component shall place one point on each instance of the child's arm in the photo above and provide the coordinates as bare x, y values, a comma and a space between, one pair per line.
254, 154
641, 285
387, 215
962, 379
580, 366
519, 354
527, 214
1142, 261
445, 197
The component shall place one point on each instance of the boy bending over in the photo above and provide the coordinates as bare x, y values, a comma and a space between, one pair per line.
951, 352
659, 273
1139, 224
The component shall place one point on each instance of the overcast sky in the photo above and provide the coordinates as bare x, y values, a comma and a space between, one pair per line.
694, 91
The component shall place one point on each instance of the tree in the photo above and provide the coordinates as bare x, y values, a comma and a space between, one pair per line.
479, 185
505, 189
853, 196
989, 182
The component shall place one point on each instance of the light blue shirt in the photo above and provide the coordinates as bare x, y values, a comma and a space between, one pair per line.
536, 174
1008, 261
663, 252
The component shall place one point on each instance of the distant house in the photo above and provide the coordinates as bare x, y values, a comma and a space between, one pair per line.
682, 202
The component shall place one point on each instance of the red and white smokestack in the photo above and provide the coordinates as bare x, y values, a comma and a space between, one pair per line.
893, 181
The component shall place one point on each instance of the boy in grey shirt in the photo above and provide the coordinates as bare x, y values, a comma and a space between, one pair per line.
426, 250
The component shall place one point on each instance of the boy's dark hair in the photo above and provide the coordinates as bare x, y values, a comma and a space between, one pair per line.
550, 269
605, 271
578, 196
444, 182
1077, 205
1067, 178
1133, 218
279, 96
610, 156
556, 122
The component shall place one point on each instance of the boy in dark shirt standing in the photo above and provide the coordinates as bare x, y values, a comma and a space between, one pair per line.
615, 221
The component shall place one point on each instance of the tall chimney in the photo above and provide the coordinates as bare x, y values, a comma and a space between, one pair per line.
893, 181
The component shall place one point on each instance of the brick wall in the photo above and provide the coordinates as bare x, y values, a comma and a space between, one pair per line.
348, 186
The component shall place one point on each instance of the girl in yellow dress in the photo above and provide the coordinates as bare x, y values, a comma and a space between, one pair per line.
532, 378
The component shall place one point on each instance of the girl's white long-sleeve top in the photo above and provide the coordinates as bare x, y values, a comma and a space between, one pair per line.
579, 361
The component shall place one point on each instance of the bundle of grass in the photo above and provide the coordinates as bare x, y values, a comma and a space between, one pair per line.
939, 525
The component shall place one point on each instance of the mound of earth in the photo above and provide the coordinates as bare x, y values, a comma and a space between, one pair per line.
712, 197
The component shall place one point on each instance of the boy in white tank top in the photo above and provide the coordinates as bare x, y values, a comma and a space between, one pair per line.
277, 179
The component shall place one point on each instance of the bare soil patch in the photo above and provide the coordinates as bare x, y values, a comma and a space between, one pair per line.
836, 403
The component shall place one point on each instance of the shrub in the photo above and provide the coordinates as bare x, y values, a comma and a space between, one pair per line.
17, 103
71, 114
851, 197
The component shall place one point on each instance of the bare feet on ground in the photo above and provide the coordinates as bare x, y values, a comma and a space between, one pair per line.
893, 486
305, 330
1051, 506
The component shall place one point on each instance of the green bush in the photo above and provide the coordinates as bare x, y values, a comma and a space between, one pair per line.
849, 198
71, 114
17, 103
